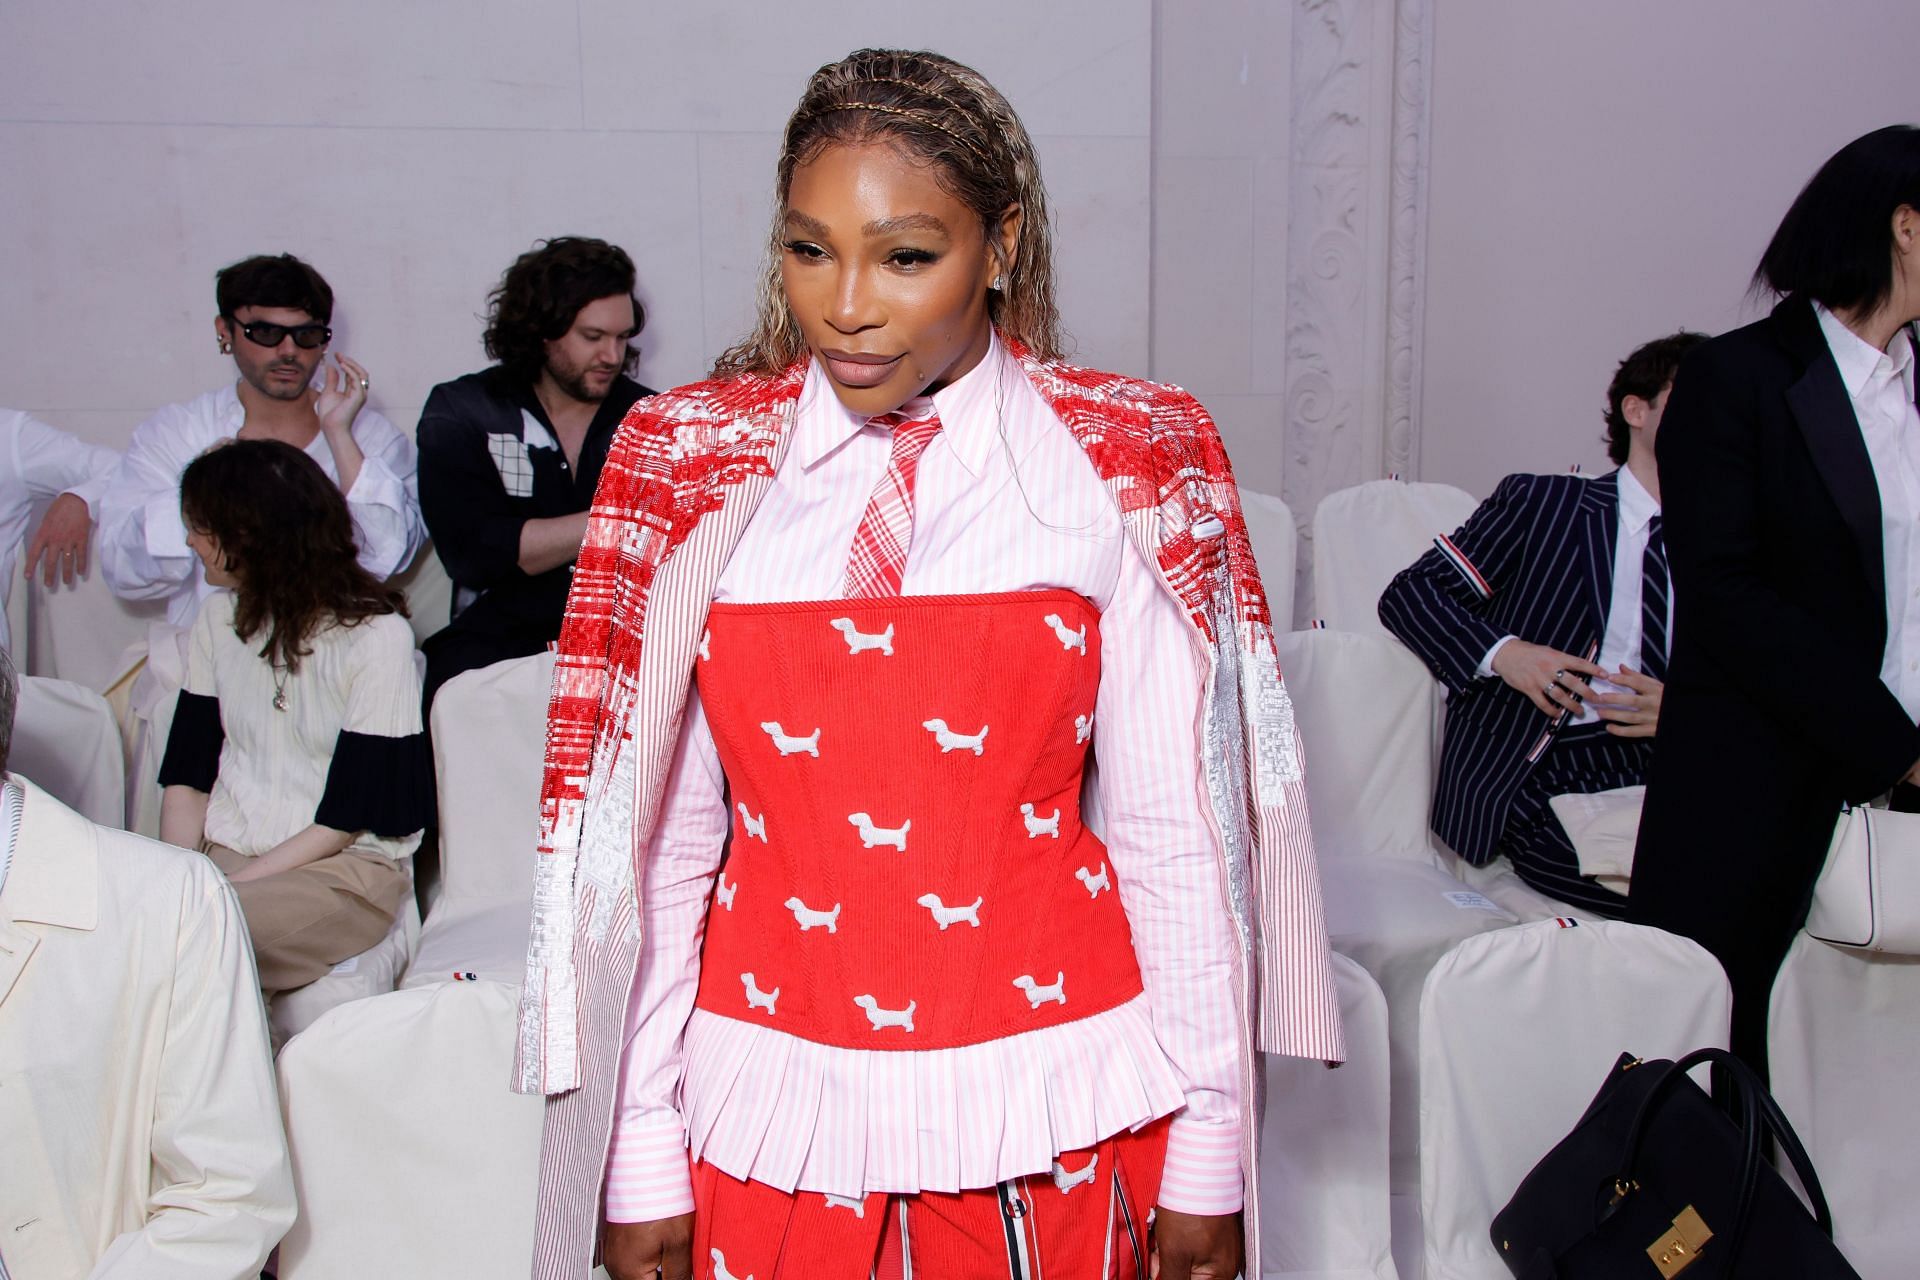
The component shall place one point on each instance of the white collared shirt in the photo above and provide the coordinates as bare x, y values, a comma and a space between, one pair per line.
1880, 385
143, 542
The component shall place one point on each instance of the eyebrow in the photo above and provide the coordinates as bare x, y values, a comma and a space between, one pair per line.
878, 227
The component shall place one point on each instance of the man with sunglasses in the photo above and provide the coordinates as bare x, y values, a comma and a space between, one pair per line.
273, 320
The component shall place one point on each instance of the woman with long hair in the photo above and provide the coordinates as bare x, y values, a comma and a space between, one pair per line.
1790, 469
845, 960
296, 760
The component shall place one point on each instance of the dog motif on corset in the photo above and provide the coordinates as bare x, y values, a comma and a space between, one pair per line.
905, 777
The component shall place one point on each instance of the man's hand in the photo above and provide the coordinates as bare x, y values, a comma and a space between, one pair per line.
62, 538
1635, 714
343, 393
1193, 1246
637, 1250
1549, 678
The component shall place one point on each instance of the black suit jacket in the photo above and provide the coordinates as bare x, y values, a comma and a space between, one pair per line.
1774, 712
1534, 561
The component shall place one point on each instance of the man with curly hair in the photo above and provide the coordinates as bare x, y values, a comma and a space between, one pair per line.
509, 456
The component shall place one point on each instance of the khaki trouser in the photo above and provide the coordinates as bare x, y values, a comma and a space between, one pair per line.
305, 921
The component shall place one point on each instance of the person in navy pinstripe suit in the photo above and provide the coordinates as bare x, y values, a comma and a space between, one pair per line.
1545, 615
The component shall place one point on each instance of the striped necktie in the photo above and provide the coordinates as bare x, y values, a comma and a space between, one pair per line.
878, 558
1653, 603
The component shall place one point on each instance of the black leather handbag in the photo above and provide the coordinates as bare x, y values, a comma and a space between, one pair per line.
1658, 1180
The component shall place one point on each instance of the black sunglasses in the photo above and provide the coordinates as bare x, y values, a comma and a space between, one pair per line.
308, 337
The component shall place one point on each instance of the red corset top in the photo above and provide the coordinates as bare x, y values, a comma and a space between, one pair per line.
907, 868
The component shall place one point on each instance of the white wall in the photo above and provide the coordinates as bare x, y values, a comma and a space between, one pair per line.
410, 151
1606, 173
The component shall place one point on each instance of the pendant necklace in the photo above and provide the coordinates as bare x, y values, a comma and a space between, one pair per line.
279, 687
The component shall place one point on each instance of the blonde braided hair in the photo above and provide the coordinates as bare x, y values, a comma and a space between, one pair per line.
947, 115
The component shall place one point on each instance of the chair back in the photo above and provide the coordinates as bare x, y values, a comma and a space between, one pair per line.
1276, 547
489, 737
1364, 535
66, 739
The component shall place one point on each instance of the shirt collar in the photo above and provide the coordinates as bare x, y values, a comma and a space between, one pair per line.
968, 409
227, 406
1857, 358
1637, 506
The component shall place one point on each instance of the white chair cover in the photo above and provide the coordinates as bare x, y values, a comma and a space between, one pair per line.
1518, 1029
429, 593
411, 1157
66, 740
373, 972
488, 743
1323, 1157
1364, 710
1844, 1048
84, 633
1276, 548
1363, 536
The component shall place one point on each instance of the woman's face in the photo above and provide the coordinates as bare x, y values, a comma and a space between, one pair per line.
202, 544
887, 274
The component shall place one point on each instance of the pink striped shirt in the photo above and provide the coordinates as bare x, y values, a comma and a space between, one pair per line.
1005, 500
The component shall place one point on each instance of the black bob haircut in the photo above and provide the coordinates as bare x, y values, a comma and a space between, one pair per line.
1835, 245
540, 294
269, 280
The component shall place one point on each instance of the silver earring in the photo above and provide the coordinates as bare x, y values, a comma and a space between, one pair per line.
999, 284
226, 348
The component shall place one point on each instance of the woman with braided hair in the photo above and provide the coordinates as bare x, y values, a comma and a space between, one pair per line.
847, 960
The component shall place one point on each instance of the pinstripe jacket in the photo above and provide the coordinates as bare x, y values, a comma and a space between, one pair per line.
682, 480
1535, 561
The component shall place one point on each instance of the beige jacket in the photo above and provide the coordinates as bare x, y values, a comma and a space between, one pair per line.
140, 1132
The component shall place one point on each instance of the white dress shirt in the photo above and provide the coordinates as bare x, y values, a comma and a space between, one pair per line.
1005, 500
1880, 385
1620, 646
143, 542
140, 1134
38, 462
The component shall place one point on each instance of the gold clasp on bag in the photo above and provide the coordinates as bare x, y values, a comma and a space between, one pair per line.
1680, 1246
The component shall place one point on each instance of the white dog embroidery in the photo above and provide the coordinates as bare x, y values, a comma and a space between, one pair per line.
1082, 728
944, 915
1068, 1181
788, 745
858, 640
882, 1018
859, 1207
809, 919
873, 837
723, 892
951, 741
756, 998
756, 827
720, 1271
706, 646
1038, 826
1069, 639
1095, 881
1038, 995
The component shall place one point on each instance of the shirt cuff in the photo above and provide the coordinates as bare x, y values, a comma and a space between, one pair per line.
647, 1173
90, 491
1485, 669
1203, 1168
166, 532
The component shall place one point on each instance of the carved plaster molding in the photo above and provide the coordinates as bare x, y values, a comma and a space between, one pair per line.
1361, 74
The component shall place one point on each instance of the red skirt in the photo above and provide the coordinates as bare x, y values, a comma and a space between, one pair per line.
1087, 1221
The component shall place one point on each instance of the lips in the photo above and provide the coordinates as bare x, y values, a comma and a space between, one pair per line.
859, 369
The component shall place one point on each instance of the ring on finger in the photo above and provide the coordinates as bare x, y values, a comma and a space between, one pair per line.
363, 384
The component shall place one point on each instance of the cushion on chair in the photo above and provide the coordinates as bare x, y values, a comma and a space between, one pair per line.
1323, 1153
1844, 1041
1365, 535
1517, 1029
